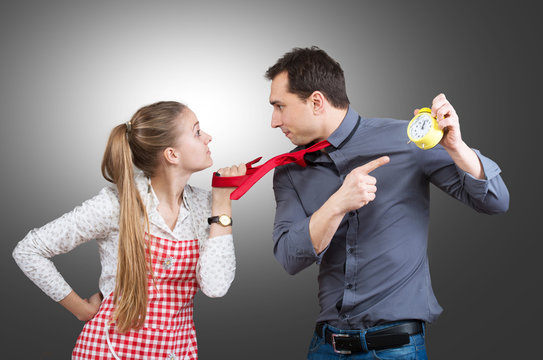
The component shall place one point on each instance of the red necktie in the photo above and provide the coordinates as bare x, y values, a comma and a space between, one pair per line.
244, 183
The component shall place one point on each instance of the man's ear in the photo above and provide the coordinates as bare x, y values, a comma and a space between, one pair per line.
171, 156
318, 100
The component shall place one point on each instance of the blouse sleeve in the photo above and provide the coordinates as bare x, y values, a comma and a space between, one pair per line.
94, 219
217, 262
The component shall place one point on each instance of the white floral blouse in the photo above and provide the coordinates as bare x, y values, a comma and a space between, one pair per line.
98, 218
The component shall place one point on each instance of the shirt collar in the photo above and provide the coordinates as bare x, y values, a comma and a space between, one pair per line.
344, 129
153, 203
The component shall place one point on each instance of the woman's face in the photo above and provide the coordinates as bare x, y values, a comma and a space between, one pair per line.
192, 143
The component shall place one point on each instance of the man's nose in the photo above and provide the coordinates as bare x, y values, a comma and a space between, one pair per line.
276, 121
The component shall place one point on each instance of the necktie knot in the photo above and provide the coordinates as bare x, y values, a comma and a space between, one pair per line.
297, 157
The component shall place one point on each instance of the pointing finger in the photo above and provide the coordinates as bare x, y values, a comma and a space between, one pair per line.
374, 164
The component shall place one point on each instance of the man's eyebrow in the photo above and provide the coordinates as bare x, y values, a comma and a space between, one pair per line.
273, 102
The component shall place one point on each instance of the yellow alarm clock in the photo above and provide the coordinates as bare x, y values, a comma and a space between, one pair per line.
423, 130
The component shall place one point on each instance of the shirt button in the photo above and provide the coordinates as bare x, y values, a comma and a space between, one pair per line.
344, 316
351, 213
349, 286
350, 250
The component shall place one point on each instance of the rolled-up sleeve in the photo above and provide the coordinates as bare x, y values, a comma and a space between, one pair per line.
489, 195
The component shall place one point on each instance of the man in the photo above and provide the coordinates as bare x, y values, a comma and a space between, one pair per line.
368, 232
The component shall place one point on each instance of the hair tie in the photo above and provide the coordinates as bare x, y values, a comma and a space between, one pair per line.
128, 127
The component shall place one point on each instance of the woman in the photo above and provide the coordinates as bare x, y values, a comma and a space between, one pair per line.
156, 246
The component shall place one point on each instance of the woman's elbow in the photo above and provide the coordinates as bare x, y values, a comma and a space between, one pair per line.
18, 253
219, 285
216, 292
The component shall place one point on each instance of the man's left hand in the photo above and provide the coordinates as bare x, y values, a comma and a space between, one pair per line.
447, 120
463, 156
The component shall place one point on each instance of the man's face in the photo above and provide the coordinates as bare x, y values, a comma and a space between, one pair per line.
291, 114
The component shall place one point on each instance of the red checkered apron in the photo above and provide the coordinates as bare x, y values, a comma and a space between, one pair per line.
168, 331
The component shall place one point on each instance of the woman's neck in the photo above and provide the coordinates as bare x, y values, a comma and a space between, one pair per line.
168, 187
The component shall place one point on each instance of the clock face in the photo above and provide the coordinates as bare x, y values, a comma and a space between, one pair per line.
420, 126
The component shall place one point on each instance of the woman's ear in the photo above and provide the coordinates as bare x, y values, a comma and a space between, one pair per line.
171, 156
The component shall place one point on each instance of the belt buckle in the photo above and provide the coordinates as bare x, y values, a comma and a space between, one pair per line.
344, 352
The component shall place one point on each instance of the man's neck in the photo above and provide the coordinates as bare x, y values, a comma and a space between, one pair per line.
334, 117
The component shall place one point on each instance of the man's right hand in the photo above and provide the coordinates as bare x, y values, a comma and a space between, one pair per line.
359, 187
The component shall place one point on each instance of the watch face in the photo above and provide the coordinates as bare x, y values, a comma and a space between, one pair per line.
420, 126
224, 220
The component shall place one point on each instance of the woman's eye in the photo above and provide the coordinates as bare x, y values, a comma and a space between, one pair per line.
198, 132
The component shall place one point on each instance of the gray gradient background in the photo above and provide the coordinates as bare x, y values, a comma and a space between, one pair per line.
71, 70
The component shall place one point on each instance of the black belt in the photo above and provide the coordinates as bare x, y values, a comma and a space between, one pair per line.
390, 337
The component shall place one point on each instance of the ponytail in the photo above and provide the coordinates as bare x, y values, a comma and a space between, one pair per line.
130, 296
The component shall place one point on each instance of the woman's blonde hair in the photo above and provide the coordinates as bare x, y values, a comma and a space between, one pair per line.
139, 143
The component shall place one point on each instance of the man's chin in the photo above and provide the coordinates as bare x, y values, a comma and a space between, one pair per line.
299, 142
296, 141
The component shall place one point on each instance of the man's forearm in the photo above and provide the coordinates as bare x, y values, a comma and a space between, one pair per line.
324, 224
466, 159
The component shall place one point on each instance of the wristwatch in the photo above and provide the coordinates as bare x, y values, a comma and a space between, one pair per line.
223, 220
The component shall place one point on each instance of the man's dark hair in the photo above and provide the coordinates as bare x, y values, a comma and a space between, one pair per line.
312, 69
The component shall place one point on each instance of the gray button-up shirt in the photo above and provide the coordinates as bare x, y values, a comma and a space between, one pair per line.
375, 269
